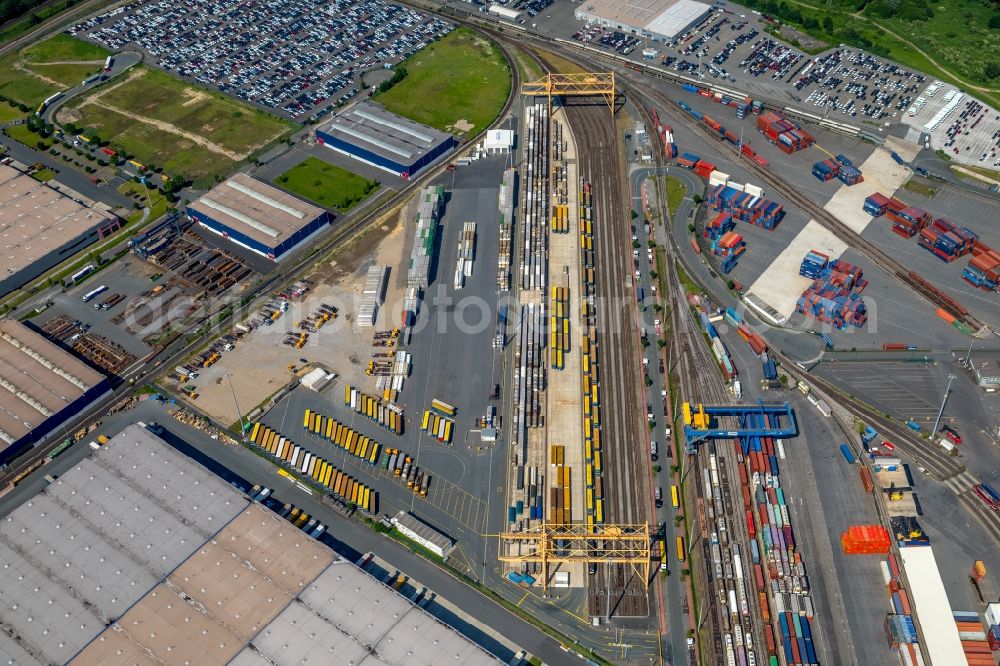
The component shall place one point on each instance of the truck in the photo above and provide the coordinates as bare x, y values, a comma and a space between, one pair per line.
94, 293
845, 450
869, 434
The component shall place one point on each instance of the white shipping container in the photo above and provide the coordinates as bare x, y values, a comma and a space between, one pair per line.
993, 613
718, 178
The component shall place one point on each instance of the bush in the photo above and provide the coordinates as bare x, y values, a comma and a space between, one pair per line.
691, 228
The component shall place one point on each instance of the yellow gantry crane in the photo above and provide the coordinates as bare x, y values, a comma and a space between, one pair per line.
582, 84
576, 542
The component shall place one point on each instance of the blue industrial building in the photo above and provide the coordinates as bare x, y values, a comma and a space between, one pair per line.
369, 133
257, 216
46, 388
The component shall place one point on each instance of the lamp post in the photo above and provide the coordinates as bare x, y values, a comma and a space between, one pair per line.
236, 402
944, 399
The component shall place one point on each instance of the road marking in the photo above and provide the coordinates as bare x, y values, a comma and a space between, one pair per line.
304, 488
523, 598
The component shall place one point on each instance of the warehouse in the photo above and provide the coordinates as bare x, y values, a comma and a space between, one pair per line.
257, 216
156, 550
44, 387
369, 133
664, 20
41, 227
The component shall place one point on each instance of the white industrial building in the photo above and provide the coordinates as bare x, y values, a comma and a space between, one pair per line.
504, 12
428, 537
498, 142
663, 20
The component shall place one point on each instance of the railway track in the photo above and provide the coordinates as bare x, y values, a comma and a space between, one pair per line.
617, 589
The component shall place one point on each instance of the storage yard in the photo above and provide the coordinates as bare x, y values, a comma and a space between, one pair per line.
302, 59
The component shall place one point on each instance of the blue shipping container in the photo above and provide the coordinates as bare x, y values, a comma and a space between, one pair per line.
848, 456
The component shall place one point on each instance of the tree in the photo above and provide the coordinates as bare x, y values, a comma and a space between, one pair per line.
995, 22
697, 199
992, 70
828, 24
691, 227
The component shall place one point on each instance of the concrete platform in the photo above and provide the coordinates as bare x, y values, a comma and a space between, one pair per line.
882, 174
887, 479
780, 285
903, 507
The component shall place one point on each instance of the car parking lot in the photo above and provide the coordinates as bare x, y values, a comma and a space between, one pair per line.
969, 132
297, 58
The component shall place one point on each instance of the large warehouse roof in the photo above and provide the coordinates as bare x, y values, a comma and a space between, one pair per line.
79, 554
937, 624
261, 212
348, 617
139, 555
36, 219
392, 137
38, 380
246, 575
660, 18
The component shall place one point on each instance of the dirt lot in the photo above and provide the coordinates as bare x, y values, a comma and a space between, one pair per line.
259, 362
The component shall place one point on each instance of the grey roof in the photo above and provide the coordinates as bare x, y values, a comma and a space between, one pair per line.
369, 126
80, 553
347, 617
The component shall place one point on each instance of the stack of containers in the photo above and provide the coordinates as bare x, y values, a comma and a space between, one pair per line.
946, 241
983, 270
899, 630
865, 540
783, 133
719, 225
729, 246
826, 170
834, 297
848, 173
796, 636
898, 626
973, 636
746, 207
813, 264
907, 221
703, 168
993, 619
877, 204
688, 160
757, 344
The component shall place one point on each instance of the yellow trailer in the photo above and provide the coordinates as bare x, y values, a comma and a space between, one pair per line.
254, 431
338, 484
341, 435
598, 470
447, 431
306, 419
597, 439
330, 426
327, 475
426, 420
362, 449
354, 492
373, 454
347, 394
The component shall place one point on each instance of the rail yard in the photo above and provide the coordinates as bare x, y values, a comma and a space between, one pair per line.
663, 366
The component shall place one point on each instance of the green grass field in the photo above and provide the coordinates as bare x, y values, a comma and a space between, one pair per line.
151, 145
9, 113
54, 59
458, 84
222, 120
326, 184
160, 203
24, 135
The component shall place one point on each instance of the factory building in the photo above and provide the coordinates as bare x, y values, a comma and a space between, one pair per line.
663, 20
40, 226
257, 216
131, 583
43, 387
369, 133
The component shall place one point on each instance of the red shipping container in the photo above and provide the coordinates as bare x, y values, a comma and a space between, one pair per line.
758, 574
769, 638
747, 503
762, 512
743, 474
751, 527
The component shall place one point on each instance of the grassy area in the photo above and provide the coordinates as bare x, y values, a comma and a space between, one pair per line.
157, 203
38, 71
955, 35
676, 191
9, 112
527, 68
44, 175
458, 84
992, 174
326, 184
920, 188
151, 145
23, 134
191, 131
222, 120
62, 48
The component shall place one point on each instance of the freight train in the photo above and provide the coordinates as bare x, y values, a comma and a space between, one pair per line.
722, 133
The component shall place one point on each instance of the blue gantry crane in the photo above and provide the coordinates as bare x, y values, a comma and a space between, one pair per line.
755, 422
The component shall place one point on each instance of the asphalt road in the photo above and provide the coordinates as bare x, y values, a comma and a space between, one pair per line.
351, 537
122, 62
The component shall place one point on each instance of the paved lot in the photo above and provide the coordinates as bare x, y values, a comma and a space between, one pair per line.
297, 58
